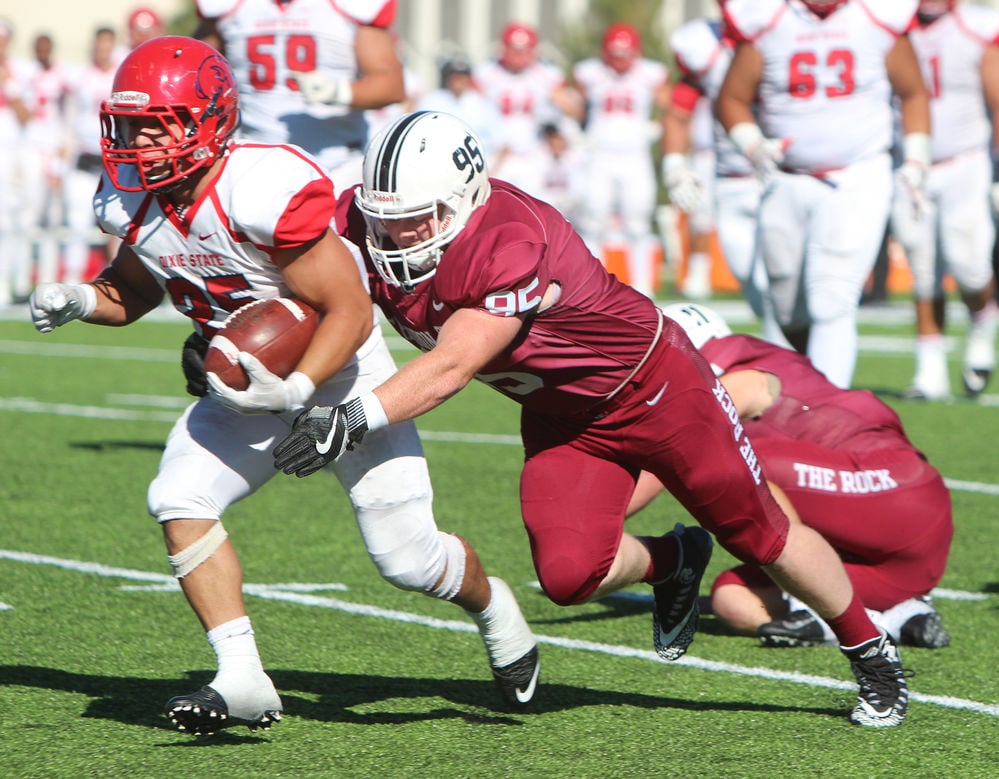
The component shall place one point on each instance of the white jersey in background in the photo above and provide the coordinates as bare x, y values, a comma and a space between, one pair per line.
266, 42
523, 100
813, 65
704, 53
620, 104
950, 52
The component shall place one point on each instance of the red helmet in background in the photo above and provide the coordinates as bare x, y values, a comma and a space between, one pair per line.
824, 7
621, 46
177, 82
519, 46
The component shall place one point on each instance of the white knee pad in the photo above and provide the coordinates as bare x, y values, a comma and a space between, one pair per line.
454, 573
186, 560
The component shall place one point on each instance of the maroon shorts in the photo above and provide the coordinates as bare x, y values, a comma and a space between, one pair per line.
674, 420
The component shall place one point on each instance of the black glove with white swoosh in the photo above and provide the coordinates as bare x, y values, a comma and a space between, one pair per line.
319, 436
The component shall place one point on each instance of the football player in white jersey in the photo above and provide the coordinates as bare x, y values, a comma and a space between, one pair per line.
308, 71
732, 195
958, 48
821, 73
188, 204
13, 115
89, 87
528, 93
42, 162
622, 90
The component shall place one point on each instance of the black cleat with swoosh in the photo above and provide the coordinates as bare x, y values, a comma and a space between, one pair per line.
518, 681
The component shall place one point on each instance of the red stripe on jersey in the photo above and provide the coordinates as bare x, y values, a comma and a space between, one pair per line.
685, 96
308, 215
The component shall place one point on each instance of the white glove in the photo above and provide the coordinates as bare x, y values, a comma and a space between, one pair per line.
911, 174
766, 154
317, 87
682, 185
994, 198
266, 393
53, 305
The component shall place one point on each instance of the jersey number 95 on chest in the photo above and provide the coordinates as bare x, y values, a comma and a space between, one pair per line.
276, 331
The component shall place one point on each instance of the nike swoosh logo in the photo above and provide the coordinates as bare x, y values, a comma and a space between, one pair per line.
205, 237
655, 399
525, 695
324, 446
436, 306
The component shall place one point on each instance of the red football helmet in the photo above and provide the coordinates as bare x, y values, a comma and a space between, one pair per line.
188, 91
621, 46
520, 43
823, 7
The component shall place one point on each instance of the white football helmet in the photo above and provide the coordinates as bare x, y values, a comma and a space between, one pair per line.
700, 323
426, 164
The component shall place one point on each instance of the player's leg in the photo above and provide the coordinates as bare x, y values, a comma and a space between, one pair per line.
917, 234
389, 487
214, 457
636, 187
784, 214
692, 440
597, 205
967, 234
846, 230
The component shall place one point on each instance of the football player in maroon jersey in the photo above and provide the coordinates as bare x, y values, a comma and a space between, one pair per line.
493, 284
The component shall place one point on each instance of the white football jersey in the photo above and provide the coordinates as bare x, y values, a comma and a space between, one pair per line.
703, 54
15, 86
45, 98
89, 87
825, 85
523, 100
266, 42
950, 52
620, 104
216, 257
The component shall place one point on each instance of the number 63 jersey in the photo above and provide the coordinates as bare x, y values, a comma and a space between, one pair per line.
217, 255
825, 84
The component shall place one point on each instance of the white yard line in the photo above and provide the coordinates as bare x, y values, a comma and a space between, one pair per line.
281, 593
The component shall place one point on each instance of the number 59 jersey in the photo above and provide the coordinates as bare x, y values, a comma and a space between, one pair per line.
825, 83
267, 43
218, 254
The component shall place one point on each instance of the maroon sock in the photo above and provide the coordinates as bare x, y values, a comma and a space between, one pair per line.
665, 554
853, 627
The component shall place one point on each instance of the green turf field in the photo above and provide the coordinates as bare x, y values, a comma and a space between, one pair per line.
94, 635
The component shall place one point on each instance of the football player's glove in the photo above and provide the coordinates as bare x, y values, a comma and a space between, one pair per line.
317, 87
319, 436
682, 184
192, 361
53, 305
266, 393
766, 154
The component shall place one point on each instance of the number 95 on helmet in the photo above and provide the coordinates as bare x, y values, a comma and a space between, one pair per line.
423, 177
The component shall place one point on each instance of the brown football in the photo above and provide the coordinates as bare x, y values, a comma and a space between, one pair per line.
276, 331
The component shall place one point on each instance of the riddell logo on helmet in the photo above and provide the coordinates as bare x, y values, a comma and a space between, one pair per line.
130, 98
382, 197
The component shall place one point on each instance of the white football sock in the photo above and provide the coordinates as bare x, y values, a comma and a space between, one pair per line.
503, 628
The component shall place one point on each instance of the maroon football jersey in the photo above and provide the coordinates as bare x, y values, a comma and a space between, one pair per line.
810, 408
569, 356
